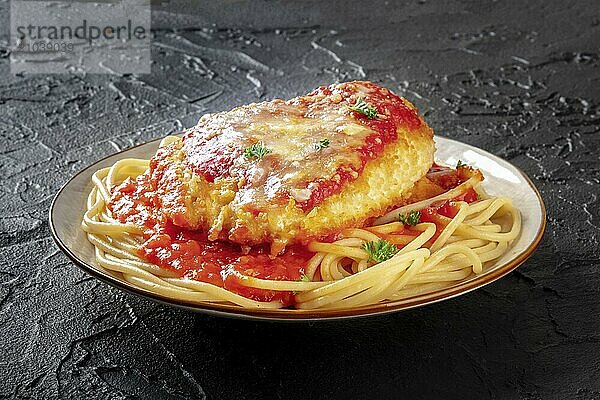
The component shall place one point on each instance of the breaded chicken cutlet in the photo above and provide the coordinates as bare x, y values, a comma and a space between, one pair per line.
282, 172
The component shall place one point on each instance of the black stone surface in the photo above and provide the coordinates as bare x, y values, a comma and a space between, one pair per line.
519, 79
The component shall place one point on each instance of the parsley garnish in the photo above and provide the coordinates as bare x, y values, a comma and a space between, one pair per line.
257, 150
460, 164
380, 250
303, 278
365, 108
412, 218
323, 143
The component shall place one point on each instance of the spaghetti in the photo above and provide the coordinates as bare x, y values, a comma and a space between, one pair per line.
453, 241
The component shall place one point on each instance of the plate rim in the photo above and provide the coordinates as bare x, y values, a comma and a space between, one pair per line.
233, 311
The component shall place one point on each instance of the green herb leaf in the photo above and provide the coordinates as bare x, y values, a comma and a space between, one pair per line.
411, 219
257, 150
303, 278
365, 108
460, 164
380, 250
323, 143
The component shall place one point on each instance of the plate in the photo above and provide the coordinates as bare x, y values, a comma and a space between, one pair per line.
501, 178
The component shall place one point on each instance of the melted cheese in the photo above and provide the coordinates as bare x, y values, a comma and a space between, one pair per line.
295, 160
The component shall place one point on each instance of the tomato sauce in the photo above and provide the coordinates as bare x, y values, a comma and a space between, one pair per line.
211, 164
191, 255
447, 208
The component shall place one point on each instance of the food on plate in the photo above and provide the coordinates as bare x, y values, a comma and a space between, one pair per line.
326, 200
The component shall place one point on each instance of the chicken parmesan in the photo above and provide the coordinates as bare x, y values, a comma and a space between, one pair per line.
280, 172
297, 203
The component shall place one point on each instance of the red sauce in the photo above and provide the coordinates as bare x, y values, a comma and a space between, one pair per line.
447, 209
210, 161
325, 188
470, 196
135, 201
166, 188
191, 255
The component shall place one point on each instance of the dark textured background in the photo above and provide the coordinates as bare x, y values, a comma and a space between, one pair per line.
519, 79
